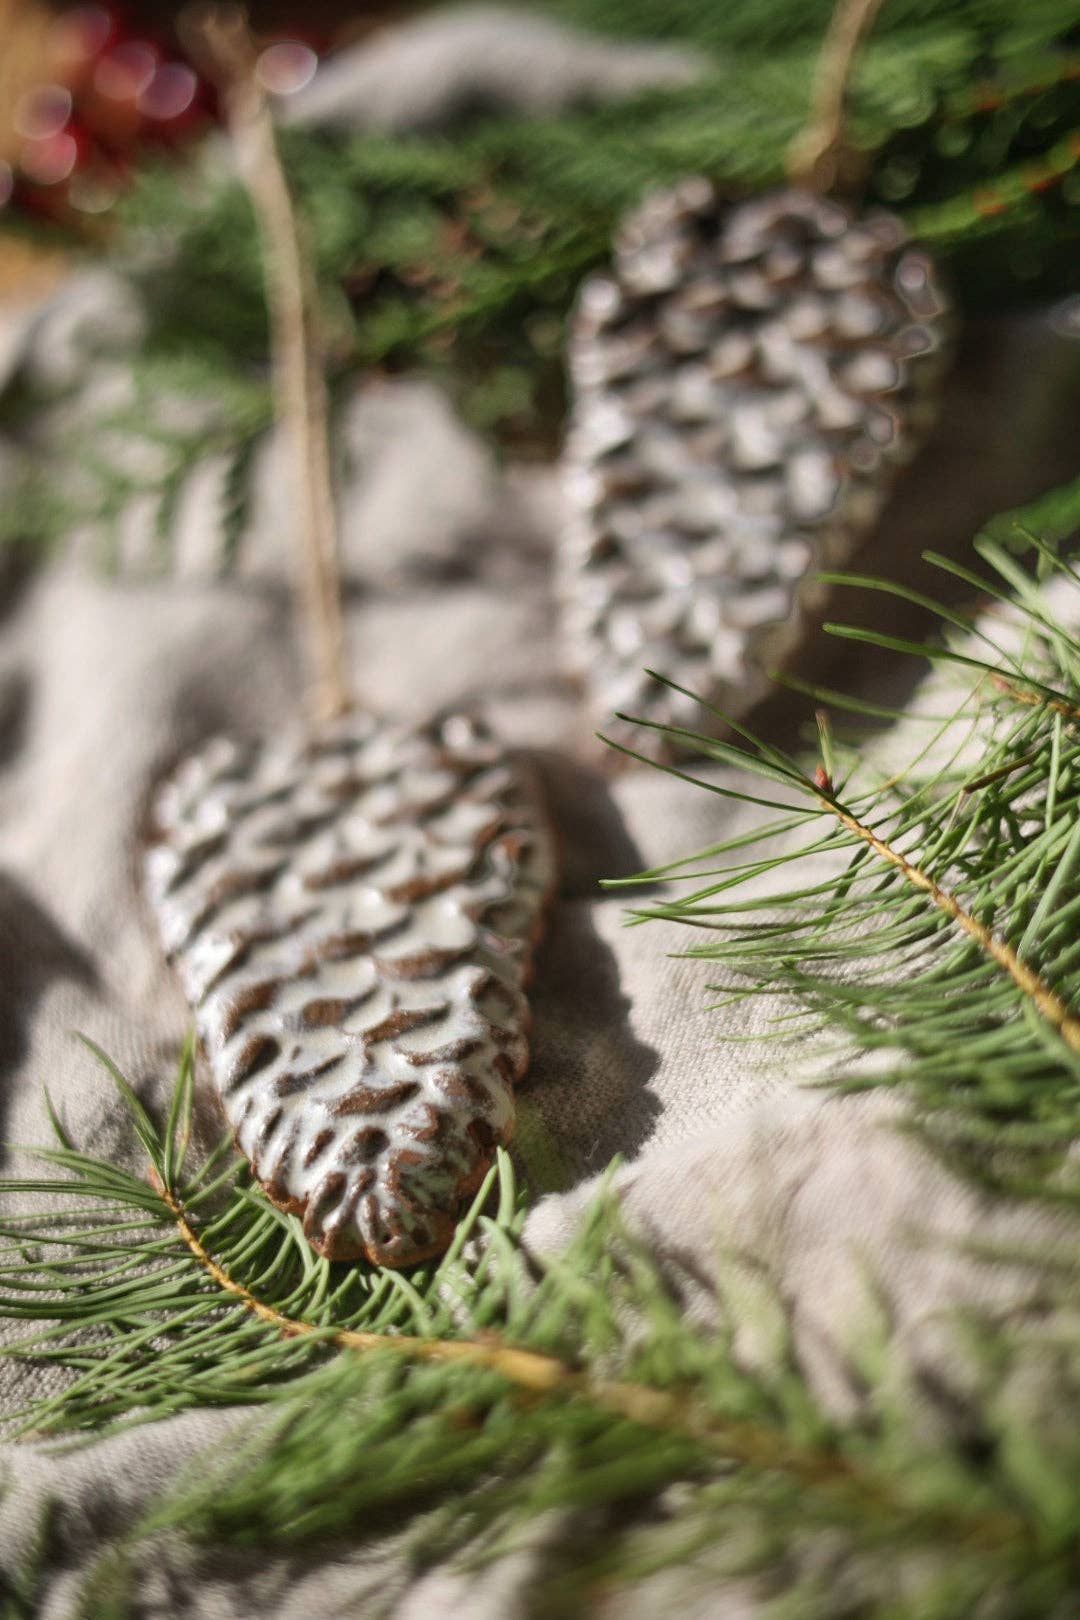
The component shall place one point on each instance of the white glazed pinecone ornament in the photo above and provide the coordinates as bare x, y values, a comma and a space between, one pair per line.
745, 380
353, 920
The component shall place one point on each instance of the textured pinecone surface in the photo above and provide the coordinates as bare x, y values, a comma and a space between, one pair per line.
744, 381
353, 920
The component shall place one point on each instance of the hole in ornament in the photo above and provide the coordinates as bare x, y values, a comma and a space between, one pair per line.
257, 1054
266, 1130
326, 1195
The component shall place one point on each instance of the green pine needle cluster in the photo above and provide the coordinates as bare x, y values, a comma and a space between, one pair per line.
459, 254
462, 1406
943, 939
503, 1398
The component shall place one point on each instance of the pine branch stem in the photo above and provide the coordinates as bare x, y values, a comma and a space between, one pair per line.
1000, 774
1020, 694
816, 155
1046, 1000
529, 1370
537, 1374
222, 38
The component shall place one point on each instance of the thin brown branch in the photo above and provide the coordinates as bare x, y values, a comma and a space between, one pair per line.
535, 1374
816, 156
538, 1373
1023, 694
219, 35
1008, 769
1046, 1000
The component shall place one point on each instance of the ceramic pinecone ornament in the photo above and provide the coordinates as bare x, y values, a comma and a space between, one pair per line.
353, 921
351, 909
745, 381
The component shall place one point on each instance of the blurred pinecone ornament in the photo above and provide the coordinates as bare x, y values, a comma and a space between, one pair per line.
746, 379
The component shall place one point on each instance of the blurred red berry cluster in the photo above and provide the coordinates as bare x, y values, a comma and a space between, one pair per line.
108, 91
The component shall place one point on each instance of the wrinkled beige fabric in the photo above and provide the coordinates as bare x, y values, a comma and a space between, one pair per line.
104, 681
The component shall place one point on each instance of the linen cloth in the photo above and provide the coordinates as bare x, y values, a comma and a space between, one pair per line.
447, 557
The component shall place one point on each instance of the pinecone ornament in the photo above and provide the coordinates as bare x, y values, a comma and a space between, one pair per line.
353, 920
351, 910
745, 381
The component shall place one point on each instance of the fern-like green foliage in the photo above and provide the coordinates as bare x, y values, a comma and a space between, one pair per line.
459, 254
500, 1394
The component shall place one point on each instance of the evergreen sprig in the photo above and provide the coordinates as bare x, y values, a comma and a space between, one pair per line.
942, 937
459, 254
473, 1399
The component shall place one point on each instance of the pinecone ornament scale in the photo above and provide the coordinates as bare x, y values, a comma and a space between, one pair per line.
745, 380
353, 921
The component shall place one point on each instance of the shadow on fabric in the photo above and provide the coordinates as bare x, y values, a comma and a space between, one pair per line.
34, 953
587, 1095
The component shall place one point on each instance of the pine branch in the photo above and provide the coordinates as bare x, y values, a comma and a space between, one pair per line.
977, 997
460, 257
680, 1412
529, 1371
498, 1427
1059, 705
1051, 1006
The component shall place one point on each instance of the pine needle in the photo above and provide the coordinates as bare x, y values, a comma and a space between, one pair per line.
978, 998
